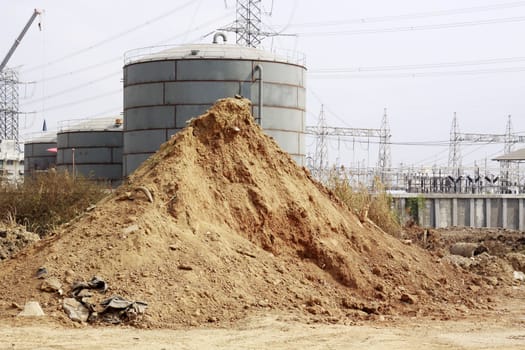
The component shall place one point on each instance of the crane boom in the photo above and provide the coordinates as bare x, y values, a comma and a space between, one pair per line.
36, 12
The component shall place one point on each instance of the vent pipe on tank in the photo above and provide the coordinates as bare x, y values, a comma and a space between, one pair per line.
216, 37
260, 69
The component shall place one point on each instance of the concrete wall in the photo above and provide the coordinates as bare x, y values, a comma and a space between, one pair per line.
444, 210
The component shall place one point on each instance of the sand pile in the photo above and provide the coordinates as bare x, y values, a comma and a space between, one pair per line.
234, 227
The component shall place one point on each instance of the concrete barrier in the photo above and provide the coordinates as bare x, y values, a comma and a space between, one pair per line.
445, 210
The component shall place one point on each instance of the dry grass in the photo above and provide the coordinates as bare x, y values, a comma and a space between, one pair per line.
46, 200
375, 206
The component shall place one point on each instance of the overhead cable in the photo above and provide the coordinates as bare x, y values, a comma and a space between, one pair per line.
414, 28
408, 16
113, 37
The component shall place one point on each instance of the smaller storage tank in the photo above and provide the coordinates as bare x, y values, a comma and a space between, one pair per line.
40, 153
92, 148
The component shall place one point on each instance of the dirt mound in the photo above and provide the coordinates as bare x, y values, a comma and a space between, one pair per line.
14, 238
220, 224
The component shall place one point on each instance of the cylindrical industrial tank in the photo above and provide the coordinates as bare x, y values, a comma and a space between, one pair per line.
40, 153
92, 148
165, 88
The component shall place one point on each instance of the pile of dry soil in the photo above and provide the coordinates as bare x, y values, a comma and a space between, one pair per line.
233, 228
14, 238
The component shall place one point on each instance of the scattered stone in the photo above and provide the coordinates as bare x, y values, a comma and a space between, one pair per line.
519, 276
213, 319
51, 284
517, 260
91, 207
75, 310
96, 283
130, 229
117, 309
41, 272
245, 253
185, 267
173, 247
16, 306
468, 250
32, 309
474, 288
407, 298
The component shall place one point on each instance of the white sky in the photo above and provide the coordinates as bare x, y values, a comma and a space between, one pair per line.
344, 35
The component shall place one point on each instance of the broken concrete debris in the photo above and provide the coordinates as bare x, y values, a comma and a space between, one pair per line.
75, 310
114, 310
32, 309
117, 309
51, 284
41, 272
468, 250
96, 283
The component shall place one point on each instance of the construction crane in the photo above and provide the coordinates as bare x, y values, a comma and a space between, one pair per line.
36, 13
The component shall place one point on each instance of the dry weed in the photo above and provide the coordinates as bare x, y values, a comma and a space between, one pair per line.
46, 200
374, 205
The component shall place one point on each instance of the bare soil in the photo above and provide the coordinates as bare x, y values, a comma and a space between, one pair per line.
235, 234
502, 329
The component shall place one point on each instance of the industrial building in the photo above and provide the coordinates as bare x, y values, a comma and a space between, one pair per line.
11, 161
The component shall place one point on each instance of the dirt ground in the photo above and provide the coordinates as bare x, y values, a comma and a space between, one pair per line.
502, 328
230, 244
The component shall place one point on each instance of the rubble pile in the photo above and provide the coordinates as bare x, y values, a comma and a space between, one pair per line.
13, 238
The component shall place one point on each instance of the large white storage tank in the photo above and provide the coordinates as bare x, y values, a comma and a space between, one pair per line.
164, 88
92, 148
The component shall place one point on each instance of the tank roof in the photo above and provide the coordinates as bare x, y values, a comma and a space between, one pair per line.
208, 51
43, 137
113, 123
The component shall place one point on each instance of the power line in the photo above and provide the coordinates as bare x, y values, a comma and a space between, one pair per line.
415, 28
110, 75
77, 102
416, 15
418, 75
73, 88
417, 66
119, 58
112, 38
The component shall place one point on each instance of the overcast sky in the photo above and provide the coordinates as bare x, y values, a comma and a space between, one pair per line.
422, 60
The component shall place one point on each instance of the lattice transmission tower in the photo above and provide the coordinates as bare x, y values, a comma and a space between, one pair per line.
248, 23
320, 160
322, 132
508, 169
384, 162
454, 152
9, 111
